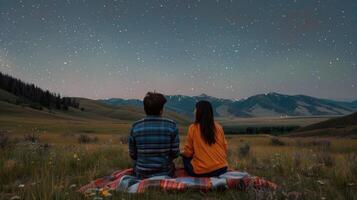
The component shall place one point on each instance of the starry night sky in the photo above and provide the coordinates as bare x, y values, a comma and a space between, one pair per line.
228, 49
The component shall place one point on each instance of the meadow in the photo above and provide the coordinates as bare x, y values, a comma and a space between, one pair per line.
54, 165
49, 155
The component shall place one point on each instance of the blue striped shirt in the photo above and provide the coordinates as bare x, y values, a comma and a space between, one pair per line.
153, 145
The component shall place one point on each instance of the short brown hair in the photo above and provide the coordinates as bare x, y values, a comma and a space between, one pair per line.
154, 103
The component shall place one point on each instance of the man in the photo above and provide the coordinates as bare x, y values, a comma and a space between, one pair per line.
154, 140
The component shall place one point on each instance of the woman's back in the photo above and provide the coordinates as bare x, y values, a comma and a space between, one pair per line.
206, 158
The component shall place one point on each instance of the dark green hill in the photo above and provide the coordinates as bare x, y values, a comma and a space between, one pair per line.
21, 99
34, 96
95, 117
340, 126
91, 110
7, 96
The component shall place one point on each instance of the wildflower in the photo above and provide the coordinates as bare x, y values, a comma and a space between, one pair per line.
96, 193
105, 193
72, 186
321, 182
21, 186
351, 184
15, 197
91, 194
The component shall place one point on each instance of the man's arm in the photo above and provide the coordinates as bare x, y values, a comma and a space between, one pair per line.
132, 146
175, 144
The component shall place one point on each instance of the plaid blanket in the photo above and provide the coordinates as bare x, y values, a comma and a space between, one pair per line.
123, 180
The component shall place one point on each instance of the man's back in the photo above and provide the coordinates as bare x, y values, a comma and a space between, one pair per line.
153, 144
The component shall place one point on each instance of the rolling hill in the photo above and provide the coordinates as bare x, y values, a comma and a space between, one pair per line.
95, 117
122, 112
7, 96
92, 109
110, 115
261, 105
18, 98
340, 126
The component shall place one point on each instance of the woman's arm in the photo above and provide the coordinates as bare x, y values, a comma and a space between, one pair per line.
225, 143
188, 149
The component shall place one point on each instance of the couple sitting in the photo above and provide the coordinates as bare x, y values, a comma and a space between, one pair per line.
154, 142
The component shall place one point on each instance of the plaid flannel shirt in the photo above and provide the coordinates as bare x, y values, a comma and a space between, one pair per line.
153, 145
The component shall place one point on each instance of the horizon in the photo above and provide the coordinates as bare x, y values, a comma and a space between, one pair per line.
234, 99
122, 49
195, 95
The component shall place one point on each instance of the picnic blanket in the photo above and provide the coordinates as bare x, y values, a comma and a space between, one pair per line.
123, 180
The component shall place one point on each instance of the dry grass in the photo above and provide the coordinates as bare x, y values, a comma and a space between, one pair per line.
302, 168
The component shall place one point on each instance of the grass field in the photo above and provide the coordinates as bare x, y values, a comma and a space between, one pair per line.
306, 168
57, 164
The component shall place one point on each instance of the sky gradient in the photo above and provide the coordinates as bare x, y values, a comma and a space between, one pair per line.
228, 49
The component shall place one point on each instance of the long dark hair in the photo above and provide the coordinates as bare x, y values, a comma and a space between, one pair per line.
204, 117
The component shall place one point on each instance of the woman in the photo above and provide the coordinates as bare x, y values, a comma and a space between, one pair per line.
205, 151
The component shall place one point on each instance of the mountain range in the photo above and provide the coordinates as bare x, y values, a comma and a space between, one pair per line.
21, 110
261, 105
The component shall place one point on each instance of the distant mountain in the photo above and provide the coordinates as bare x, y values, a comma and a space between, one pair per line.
340, 126
261, 105
274, 104
178, 103
353, 104
186, 104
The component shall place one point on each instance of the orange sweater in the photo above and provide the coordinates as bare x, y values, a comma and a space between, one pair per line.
205, 158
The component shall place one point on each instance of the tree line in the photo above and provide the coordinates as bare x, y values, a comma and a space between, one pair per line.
273, 130
37, 96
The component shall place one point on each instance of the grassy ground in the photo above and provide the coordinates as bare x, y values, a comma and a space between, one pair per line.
306, 168
56, 165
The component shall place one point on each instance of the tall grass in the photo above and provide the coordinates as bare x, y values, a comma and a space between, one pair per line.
33, 172
308, 171
304, 169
